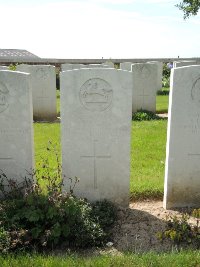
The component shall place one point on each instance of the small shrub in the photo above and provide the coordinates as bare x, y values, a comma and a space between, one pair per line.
106, 213
4, 240
37, 214
179, 231
163, 92
13, 67
144, 115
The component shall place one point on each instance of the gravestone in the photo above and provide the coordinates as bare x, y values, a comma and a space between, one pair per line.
4, 68
65, 67
126, 66
91, 66
109, 63
177, 64
16, 135
182, 181
95, 123
159, 74
43, 82
144, 84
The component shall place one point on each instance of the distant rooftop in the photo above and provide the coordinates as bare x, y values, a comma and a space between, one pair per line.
16, 53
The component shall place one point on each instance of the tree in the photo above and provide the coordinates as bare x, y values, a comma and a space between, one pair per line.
189, 7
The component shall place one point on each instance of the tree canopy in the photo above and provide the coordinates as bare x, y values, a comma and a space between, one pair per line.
189, 7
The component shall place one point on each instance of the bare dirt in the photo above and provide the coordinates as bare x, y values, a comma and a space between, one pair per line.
136, 227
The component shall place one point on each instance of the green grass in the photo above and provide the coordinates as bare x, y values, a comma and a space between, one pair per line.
148, 140
162, 103
182, 259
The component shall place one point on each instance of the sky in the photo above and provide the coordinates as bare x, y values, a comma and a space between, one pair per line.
99, 28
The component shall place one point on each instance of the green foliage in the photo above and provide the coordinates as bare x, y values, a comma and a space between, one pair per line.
179, 231
13, 67
166, 71
105, 212
189, 7
4, 240
144, 115
196, 213
37, 214
164, 91
166, 75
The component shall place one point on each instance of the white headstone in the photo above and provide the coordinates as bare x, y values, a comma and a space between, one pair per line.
144, 84
43, 82
91, 66
109, 63
126, 65
96, 120
4, 68
182, 180
159, 74
65, 67
177, 64
16, 135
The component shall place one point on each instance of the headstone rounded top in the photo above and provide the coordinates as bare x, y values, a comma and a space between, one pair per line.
96, 94
4, 97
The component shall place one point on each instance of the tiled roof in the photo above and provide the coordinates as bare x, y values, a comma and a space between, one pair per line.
16, 53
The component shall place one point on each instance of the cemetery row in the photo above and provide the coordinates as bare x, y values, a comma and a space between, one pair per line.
96, 110
147, 80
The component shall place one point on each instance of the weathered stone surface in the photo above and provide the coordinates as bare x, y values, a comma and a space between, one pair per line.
144, 86
16, 135
159, 74
72, 66
182, 182
177, 64
109, 63
4, 68
43, 83
96, 120
65, 67
91, 66
126, 66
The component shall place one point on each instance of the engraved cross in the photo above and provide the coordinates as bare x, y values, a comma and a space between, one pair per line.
94, 157
143, 96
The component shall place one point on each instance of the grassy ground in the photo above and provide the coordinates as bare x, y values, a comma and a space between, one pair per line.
162, 103
148, 141
182, 259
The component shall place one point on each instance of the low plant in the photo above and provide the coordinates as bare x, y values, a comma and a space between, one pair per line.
164, 91
144, 115
13, 66
38, 214
179, 231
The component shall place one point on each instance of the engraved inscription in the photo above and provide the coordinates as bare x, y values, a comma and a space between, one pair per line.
94, 157
4, 97
195, 92
96, 94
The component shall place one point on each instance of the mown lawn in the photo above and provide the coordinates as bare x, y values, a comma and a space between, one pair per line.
182, 259
148, 141
162, 103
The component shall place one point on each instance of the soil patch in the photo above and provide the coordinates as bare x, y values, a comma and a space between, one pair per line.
137, 227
